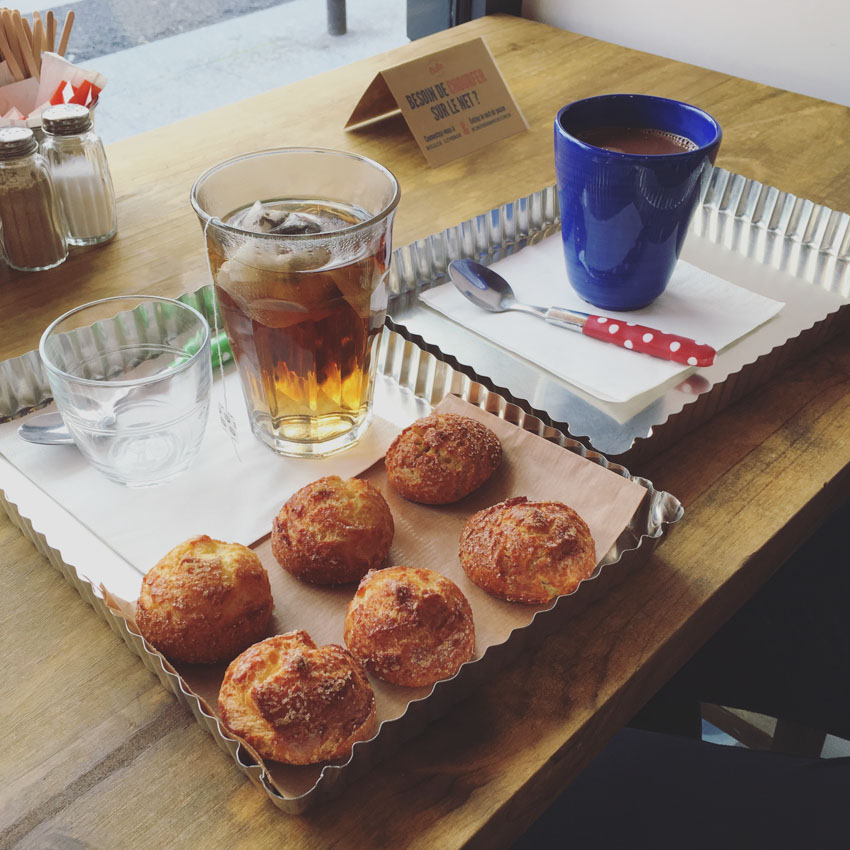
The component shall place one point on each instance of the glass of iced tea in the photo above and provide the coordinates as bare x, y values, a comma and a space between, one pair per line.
299, 243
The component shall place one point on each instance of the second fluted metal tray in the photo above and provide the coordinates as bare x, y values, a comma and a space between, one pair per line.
753, 235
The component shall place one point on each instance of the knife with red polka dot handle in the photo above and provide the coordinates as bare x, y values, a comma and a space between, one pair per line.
487, 289
679, 349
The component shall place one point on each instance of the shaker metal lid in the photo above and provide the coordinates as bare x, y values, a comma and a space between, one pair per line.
16, 141
66, 119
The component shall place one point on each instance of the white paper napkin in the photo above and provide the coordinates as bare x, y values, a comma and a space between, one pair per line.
232, 497
695, 304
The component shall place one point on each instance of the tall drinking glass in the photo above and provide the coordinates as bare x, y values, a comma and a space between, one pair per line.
299, 244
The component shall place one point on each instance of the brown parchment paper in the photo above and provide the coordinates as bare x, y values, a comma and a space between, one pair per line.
427, 536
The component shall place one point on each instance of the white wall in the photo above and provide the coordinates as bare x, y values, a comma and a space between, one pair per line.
799, 45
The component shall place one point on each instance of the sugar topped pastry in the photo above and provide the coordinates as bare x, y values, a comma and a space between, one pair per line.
296, 702
410, 626
205, 601
441, 458
333, 531
525, 551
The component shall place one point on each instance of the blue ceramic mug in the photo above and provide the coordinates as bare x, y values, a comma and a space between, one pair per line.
624, 216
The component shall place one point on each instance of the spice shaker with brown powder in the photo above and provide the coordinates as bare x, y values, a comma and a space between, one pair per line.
32, 226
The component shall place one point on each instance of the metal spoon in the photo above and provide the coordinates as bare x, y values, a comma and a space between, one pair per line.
48, 429
490, 291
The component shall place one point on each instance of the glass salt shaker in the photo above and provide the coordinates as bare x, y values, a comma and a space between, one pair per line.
77, 162
31, 220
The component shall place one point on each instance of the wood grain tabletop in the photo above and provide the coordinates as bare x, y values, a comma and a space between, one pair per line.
97, 754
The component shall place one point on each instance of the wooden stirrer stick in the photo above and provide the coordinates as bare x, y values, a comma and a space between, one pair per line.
12, 39
25, 43
9, 56
66, 33
25, 25
50, 32
37, 40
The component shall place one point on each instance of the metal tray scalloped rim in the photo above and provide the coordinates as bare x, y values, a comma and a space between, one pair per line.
428, 380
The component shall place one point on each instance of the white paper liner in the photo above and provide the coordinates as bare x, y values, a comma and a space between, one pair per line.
236, 493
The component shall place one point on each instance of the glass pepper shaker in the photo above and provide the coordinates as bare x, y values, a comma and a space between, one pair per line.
77, 162
33, 227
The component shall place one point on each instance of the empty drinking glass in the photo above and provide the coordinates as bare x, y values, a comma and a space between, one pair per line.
131, 376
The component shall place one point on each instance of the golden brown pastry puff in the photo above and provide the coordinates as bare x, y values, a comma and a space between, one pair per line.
526, 551
410, 626
295, 702
333, 531
442, 458
205, 601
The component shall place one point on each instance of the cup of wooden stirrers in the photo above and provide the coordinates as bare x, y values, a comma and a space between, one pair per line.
22, 44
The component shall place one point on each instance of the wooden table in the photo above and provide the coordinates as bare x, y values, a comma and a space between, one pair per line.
96, 752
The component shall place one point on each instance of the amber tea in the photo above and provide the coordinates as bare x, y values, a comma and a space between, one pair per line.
303, 303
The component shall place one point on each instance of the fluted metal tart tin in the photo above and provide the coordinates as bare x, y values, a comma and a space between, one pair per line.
416, 380
748, 233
